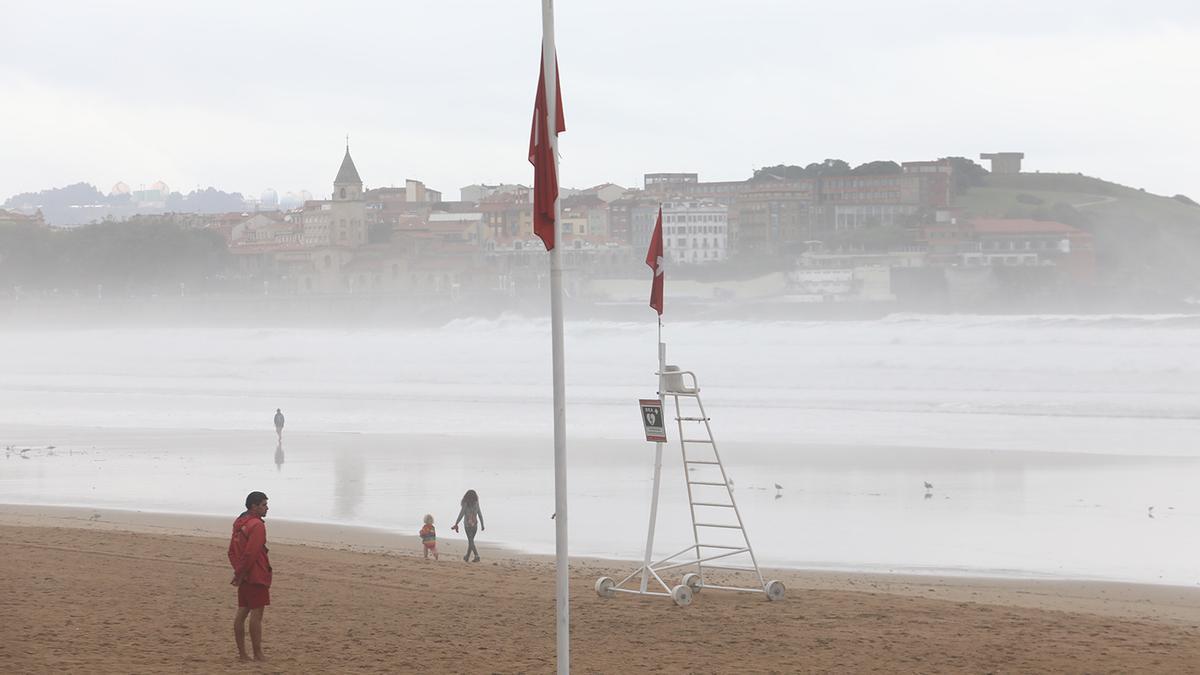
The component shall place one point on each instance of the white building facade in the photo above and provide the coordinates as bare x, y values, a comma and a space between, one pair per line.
695, 231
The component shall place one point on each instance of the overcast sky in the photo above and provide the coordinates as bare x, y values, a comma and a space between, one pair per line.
250, 95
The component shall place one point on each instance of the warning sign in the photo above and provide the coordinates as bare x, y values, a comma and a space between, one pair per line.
652, 419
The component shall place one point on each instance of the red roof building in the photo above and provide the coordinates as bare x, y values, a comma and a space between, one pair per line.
1012, 242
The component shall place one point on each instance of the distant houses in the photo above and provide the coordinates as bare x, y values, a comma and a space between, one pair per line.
833, 232
840, 230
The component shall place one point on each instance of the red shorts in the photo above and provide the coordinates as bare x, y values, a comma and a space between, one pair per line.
254, 596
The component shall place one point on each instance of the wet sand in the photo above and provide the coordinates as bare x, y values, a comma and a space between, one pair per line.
119, 591
992, 513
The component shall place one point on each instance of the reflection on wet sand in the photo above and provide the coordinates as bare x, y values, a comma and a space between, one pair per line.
279, 456
986, 511
349, 482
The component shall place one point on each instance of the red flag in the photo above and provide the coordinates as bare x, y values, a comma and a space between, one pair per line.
541, 156
654, 258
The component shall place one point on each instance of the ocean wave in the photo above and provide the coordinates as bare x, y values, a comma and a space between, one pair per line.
1044, 320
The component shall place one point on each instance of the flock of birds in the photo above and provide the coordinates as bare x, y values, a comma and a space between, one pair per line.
928, 494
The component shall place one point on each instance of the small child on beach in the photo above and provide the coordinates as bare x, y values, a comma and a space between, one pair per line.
429, 537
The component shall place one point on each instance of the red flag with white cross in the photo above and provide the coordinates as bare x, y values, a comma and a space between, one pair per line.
541, 156
654, 258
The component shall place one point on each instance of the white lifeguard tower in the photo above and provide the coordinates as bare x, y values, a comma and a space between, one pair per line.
720, 557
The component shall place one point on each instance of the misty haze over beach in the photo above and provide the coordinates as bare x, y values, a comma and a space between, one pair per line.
934, 265
1046, 438
931, 266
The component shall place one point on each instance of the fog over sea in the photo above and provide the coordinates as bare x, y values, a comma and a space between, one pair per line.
1047, 438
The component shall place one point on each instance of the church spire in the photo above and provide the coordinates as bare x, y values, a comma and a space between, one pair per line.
347, 174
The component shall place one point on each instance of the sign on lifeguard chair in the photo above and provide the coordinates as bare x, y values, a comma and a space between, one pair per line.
652, 419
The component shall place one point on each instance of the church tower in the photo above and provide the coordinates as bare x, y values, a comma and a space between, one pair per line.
348, 212
347, 186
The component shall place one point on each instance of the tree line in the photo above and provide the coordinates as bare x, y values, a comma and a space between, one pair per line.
967, 173
122, 257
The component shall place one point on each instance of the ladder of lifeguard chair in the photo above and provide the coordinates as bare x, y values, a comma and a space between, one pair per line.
688, 463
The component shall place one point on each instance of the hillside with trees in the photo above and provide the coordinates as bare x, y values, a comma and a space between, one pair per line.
1146, 244
123, 258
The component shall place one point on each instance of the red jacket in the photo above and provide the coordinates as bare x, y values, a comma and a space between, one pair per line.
248, 550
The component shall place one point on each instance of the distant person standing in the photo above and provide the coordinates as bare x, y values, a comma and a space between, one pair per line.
471, 516
251, 573
279, 424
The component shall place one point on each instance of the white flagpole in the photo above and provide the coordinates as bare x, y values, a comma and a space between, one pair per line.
658, 450
562, 569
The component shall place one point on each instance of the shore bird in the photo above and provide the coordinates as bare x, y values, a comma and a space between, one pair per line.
928, 485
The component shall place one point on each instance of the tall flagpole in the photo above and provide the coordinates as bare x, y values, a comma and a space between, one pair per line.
562, 569
658, 450
656, 257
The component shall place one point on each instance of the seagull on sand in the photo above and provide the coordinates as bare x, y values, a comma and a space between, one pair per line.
1150, 512
778, 486
928, 485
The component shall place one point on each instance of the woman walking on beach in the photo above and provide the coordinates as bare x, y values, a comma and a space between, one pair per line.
470, 515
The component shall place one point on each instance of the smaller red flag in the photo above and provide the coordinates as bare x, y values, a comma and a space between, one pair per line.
541, 156
654, 258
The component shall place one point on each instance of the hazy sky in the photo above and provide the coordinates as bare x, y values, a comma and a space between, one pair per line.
249, 95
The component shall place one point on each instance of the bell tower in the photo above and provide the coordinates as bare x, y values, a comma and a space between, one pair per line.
348, 209
347, 186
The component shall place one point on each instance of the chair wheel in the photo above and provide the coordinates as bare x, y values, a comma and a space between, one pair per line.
682, 595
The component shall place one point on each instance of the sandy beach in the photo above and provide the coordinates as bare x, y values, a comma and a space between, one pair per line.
122, 591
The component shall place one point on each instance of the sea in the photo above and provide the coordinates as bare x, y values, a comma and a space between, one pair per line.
1039, 446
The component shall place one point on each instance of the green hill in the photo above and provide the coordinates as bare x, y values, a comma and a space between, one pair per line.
1146, 244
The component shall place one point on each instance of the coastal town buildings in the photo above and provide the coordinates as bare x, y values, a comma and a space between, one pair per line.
835, 233
631, 218
480, 192
772, 215
1012, 242
270, 227
695, 231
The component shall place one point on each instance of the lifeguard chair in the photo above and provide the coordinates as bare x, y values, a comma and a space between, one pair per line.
718, 533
